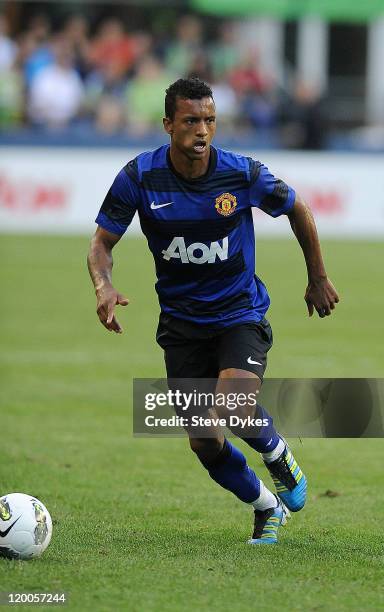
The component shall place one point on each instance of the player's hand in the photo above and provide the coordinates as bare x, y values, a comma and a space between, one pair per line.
107, 299
322, 296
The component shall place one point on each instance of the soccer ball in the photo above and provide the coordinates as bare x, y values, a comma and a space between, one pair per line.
25, 526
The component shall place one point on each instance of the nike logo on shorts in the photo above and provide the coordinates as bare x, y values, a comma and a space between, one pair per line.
251, 362
156, 206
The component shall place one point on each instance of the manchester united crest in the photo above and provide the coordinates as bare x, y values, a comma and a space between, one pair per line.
226, 204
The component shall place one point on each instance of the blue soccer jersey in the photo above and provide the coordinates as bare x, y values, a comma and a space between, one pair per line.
200, 231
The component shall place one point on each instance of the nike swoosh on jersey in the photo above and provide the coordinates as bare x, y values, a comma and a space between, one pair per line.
155, 206
3, 534
251, 362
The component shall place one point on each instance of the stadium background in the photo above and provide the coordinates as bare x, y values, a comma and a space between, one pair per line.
137, 524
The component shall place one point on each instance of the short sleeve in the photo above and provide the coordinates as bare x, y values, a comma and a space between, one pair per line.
120, 203
269, 193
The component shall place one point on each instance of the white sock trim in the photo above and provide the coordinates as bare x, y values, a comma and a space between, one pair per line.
275, 454
265, 500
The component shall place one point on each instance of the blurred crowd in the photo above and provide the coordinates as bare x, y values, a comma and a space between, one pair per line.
112, 80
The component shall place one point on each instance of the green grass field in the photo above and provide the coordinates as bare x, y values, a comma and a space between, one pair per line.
138, 524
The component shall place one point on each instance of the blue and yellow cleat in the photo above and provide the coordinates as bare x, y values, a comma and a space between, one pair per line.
267, 523
290, 482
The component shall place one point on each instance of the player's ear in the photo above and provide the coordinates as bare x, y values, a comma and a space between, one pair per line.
168, 125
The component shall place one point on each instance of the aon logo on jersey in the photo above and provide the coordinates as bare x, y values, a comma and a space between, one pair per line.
198, 252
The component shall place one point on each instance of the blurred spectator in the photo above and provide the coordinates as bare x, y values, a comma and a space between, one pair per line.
245, 76
225, 102
110, 80
110, 116
76, 33
11, 97
225, 52
258, 110
8, 49
144, 44
39, 52
200, 67
188, 43
255, 92
303, 118
145, 95
105, 92
57, 91
112, 45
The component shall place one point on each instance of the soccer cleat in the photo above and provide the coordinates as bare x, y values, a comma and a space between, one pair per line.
290, 482
286, 513
267, 523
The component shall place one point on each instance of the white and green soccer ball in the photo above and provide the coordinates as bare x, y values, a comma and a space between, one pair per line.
25, 526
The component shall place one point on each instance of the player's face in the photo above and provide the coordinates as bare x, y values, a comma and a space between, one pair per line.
192, 127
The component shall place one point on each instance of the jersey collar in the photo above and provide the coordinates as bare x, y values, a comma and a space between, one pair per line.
210, 170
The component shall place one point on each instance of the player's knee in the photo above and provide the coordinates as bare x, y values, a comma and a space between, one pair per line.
206, 449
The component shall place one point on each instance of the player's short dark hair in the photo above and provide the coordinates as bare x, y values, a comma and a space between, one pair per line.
186, 89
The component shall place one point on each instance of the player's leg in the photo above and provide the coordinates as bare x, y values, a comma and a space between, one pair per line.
189, 355
243, 355
227, 466
289, 480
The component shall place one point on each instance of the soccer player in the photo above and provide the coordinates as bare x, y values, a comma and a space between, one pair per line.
195, 207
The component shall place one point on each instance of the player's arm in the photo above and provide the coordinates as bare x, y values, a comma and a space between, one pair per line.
320, 293
100, 263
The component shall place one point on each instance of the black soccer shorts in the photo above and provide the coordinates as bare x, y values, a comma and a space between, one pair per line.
198, 351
